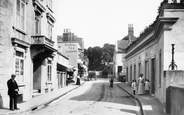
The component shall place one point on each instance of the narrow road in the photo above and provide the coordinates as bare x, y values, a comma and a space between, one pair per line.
92, 98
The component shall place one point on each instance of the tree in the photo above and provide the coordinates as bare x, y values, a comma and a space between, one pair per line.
94, 56
108, 52
97, 55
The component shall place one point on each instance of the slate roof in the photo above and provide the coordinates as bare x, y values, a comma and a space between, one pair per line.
122, 45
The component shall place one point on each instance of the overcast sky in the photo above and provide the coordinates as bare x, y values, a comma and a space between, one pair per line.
103, 21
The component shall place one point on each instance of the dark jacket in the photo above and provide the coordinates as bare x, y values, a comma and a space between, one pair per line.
111, 80
12, 85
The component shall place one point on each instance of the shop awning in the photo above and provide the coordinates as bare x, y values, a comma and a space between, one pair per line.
65, 67
61, 67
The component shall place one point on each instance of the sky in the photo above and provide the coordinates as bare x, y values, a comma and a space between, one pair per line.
103, 21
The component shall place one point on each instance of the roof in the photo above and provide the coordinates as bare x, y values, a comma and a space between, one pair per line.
122, 45
125, 38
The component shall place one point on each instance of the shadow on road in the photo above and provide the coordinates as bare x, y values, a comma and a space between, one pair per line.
102, 92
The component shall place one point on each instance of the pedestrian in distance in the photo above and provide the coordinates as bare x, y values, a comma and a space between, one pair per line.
140, 85
78, 80
111, 82
134, 86
12, 92
147, 87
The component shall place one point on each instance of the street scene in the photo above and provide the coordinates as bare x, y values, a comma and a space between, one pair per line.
92, 98
91, 57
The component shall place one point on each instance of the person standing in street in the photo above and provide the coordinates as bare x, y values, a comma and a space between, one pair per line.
12, 92
111, 82
78, 80
140, 85
147, 87
134, 86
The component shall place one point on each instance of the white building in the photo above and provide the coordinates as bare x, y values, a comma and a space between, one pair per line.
120, 53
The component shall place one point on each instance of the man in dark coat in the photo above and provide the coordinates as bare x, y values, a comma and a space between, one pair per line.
111, 82
12, 92
78, 80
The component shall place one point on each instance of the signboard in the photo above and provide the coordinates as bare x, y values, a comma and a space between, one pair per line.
70, 48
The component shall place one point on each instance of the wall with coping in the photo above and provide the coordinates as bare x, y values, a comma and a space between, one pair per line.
174, 92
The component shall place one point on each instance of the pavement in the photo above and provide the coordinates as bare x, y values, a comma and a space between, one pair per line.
41, 100
149, 105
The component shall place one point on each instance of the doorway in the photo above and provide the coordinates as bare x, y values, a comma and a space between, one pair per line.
37, 75
153, 65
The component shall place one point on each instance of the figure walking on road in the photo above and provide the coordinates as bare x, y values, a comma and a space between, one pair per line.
12, 92
78, 80
111, 82
140, 85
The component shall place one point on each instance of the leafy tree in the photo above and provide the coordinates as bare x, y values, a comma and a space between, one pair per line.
108, 52
97, 55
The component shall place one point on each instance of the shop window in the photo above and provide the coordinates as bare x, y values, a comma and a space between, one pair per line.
19, 66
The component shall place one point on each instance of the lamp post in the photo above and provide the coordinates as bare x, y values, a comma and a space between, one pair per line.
172, 65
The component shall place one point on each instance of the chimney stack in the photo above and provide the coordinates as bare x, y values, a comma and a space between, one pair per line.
130, 29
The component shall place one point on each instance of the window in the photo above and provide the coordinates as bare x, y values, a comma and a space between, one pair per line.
49, 70
119, 69
49, 31
19, 66
37, 24
20, 14
50, 4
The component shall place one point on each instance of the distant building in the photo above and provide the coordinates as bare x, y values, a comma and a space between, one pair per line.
73, 47
120, 52
68, 36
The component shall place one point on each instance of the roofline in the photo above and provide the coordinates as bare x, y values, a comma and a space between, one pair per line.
157, 30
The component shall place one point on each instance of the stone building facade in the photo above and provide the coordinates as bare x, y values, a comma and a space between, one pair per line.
29, 50
150, 53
